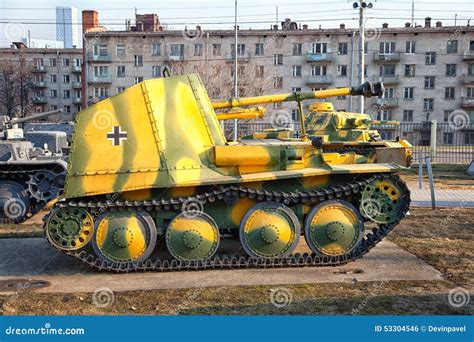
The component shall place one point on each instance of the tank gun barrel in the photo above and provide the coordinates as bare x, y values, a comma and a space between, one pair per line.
366, 89
33, 117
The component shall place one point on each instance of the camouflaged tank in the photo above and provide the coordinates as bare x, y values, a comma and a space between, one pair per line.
343, 132
153, 184
32, 168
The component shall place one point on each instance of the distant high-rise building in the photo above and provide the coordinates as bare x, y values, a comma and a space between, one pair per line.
68, 28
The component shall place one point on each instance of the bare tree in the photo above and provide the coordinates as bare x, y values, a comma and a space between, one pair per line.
15, 86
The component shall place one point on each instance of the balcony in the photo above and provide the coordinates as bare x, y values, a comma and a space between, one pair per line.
39, 100
230, 57
77, 100
39, 84
174, 58
468, 79
318, 80
393, 57
39, 68
99, 58
467, 102
468, 55
388, 102
387, 80
76, 69
318, 57
77, 85
100, 79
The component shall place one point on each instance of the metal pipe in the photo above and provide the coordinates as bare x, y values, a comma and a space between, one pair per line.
236, 77
361, 51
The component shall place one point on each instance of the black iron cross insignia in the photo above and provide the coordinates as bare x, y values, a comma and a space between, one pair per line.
117, 135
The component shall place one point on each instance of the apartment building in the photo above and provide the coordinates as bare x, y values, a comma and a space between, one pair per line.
54, 76
428, 71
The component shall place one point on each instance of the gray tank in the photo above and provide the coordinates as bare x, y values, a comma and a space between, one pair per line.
32, 168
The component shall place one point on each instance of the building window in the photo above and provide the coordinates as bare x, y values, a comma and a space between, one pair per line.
366, 47
428, 104
452, 46
388, 93
66, 94
278, 59
278, 82
342, 70
385, 115
297, 49
101, 92
408, 115
53, 93
156, 49
259, 49
197, 49
120, 70
216, 49
296, 70
448, 138
408, 93
65, 62
430, 58
451, 70
138, 60
470, 92
38, 62
120, 89
470, 69
53, 78
120, 49
449, 93
177, 50
156, 71
429, 82
410, 70
295, 89
100, 50
259, 71
52, 62
471, 45
387, 70
53, 107
66, 79
137, 80
67, 109
446, 115
101, 71
469, 138
342, 49
318, 70
240, 49
410, 47
387, 48
294, 114
317, 48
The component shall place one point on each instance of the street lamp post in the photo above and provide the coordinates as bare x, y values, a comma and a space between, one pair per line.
361, 5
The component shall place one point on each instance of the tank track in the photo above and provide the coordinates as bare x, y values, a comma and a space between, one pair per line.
362, 150
369, 241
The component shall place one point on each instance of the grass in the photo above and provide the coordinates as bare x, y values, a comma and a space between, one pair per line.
442, 238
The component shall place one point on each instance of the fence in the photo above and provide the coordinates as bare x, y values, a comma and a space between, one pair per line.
442, 142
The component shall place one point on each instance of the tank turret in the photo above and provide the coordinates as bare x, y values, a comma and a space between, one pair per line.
9, 126
153, 164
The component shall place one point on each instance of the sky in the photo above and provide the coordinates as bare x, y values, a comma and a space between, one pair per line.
38, 17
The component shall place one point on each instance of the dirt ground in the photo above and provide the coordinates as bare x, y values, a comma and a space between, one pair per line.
443, 238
